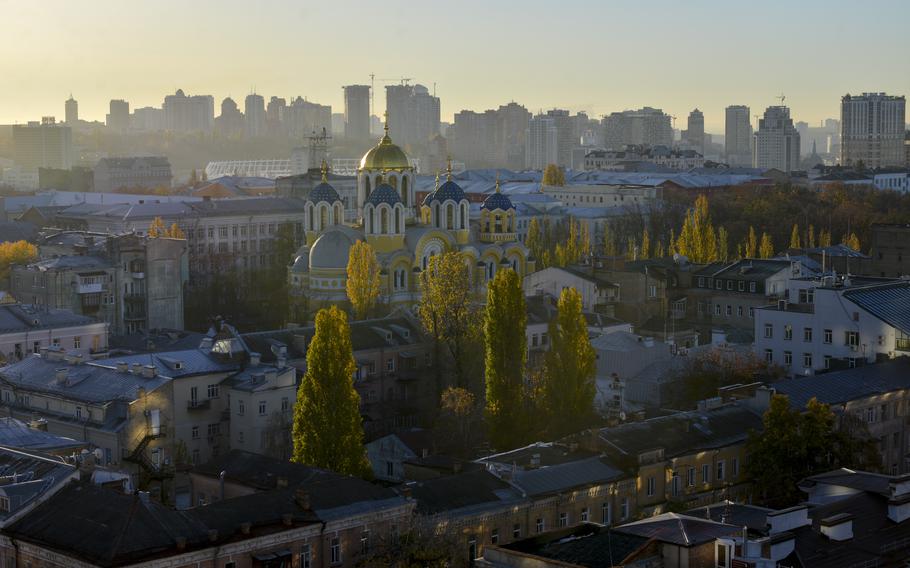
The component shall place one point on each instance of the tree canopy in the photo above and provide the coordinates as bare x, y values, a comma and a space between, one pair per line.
363, 284
554, 175
15, 252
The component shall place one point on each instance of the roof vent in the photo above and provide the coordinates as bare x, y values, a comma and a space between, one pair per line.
122, 367
838, 527
60, 376
149, 371
254, 359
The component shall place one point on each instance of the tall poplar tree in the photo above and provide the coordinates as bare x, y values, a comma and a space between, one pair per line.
794, 237
569, 368
327, 429
766, 249
645, 244
363, 284
506, 355
723, 245
751, 244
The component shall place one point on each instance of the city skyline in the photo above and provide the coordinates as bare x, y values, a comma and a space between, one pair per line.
710, 68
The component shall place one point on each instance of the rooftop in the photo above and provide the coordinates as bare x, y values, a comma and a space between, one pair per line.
26, 317
840, 387
25, 476
888, 302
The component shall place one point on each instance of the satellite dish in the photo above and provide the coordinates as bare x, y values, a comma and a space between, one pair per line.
99, 454
622, 415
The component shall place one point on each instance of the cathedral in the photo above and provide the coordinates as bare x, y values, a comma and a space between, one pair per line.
404, 233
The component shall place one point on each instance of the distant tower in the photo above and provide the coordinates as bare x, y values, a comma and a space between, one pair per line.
254, 113
357, 112
119, 117
776, 141
738, 136
695, 131
72, 111
873, 130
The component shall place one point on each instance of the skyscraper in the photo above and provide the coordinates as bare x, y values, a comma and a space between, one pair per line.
695, 131
43, 145
872, 130
72, 111
184, 113
118, 119
254, 115
274, 115
357, 112
413, 113
230, 121
738, 136
646, 126
542, 140
776, 141
566, 139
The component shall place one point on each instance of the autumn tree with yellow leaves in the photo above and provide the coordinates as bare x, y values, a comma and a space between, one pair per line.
363, 281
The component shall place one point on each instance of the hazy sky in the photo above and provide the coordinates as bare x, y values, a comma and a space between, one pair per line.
592, 55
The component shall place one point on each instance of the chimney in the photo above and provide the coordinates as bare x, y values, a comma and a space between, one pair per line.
43, 352
122, 367
838, 527
788, 519
281, 362
60, 375
254, 359
899, 503
137, 368
535, 460
149, 371
302, 498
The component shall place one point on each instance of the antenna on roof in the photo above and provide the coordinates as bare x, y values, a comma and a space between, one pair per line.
782, 98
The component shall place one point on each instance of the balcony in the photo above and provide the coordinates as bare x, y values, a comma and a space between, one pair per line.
199, 404
137, 275
89, 288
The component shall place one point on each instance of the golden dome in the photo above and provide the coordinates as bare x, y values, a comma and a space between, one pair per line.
385, 156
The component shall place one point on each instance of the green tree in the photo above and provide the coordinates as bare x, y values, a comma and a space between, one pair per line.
794, 237
554, 175
363, 283
766, 250
327, 429
569, 368
448, 312
797, 443
751, 244
534, 240
506, 355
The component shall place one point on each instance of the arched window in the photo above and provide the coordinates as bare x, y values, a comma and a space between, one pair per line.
498, 222
450, 216
436, 215
339, 214
515, 266
367, 186
491, 270
370, 220
309, 211
393, 181
463, 222
323, 217
384, 220
404, 190
397, 214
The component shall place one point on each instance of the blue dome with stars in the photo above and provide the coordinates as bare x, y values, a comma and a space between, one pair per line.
385, 193
448, 190
324, 193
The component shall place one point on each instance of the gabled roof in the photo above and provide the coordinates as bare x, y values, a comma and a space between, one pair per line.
476, 489
889, 303
566, 476
839, 387
681, 530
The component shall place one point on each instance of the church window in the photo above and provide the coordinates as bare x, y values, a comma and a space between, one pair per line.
404, 190
464, 217
397, 222
436, 215
384, 221
450, 216
323, 217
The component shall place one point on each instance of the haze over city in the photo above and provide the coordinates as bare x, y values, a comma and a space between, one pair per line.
598, 57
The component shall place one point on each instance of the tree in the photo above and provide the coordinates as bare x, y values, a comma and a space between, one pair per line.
645, 244
824, 238
157, 228
457, 417
697, 239
194, 178
796, 443
851, 241
15, 252
534, 240
175, 232
609, 241
569, 368
766, 250
506, 355
447, 311
794, 237
723, 245
751, 244
553, 175
810, 237
327, 429
363, 283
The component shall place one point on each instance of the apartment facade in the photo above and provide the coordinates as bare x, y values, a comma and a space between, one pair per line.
776, 142
152, 172
27, 328
738, 135
873, 127
44, 144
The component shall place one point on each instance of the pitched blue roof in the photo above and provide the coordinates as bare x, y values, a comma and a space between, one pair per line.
497, 201
851, 384
889, 303
323, 193
448, 190
384, 194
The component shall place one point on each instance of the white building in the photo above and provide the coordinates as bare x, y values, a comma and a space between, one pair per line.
896, 181
872, 130
541, 142
594, 291
776, 141
829, 323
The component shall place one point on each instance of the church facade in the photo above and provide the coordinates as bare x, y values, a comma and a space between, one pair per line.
405, 234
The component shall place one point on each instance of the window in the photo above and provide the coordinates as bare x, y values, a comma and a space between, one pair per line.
742, 286
690, 477
706, 473
851, 338
674, 484
720, 470
807, 360
807, 296
827, 360
261, 408
335, 550
241, 407
213, 429
4, 503
752, 287
751, 312
285, 404
516, 531
717, 309
729, 285
729, 311
494, 536
807, 334
306, 556
739, 311
584, 515
788, 358
701, 281
78, 413
390, 365
769, 356
240, 436
606, 515
652, 291
788, 332
829, 335
195, 432
77, 342
624, 508
563, 519
769, 331
365, 542
194, 395
650, 486
222, 231
539, 525
718, 284
213, 391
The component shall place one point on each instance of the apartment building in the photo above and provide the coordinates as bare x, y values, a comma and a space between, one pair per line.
777, 142
149, 172
834, 322
128, 281
872, 130
888, 249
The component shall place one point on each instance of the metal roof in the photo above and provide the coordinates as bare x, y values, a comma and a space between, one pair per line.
889, 303
851, 384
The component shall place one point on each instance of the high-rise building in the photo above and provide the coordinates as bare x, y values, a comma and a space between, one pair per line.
305, 118
148, 119
72, 111
738, 136
118, 119
647, 126
230, 121
275, 114
695, 131
471, 138
872, 130
566, 138
357, 112
413, 114
776, 141
44, 144
184, 113
541, 142
254, 115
